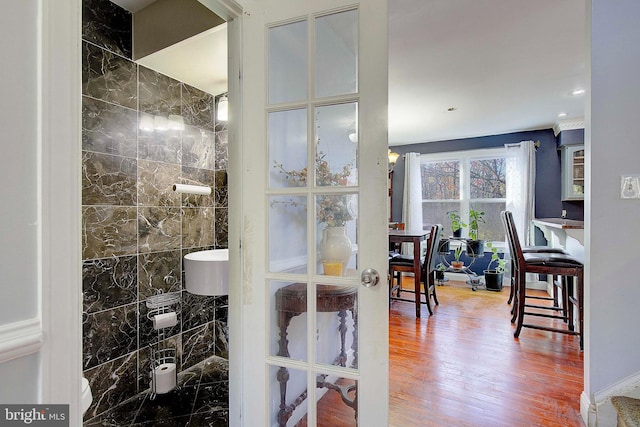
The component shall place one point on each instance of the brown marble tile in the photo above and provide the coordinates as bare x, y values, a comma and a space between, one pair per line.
108, 25
108, 128
108, 231
158, 94
221, 189
221, 326
197, 227
108, 180
197, 310
197, 107
109, 334
158, 229
222, 228
197, 344
159, 272
112, 384
222, 150
155, 183
163, 146
108, 77
109, 282
198, 148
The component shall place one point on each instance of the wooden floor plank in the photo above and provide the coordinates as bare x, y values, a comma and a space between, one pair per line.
463, 367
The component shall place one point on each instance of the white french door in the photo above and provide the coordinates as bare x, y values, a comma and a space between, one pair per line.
312, 215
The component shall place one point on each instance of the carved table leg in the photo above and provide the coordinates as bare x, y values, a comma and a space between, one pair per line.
342, 314
354, 345
283, 373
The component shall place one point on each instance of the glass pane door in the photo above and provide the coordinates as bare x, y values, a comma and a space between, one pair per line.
313, 207
313, 340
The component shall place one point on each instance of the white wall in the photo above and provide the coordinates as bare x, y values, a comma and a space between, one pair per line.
40, 226
18, 121
24, 376
612, 351
19, 222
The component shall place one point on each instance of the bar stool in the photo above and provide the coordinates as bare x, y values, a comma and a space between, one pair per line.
536, 250
556, 264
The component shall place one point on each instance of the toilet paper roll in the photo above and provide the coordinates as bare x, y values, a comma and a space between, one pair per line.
191, 189
165, 320
163, 378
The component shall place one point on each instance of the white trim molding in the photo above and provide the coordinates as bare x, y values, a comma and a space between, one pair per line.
60, 76
597, 410
20, 339
568, 125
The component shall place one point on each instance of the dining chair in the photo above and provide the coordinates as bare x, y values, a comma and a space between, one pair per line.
404, 264
555, 264
394, 248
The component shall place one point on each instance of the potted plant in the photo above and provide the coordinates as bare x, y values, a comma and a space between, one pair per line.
456, 223
475, 246
440, 269
456, 263
493, 276
443, 246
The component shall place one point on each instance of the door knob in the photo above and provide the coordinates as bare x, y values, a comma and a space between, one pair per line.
369, 278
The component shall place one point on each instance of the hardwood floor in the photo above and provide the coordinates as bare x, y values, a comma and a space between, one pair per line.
463, 367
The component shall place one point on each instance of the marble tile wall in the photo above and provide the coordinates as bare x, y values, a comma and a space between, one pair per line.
136, 230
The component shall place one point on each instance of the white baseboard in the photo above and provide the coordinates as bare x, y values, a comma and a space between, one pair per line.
599, 411
587, 410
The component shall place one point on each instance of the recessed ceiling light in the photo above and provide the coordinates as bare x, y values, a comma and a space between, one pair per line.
451, 109
562, 114
578, 92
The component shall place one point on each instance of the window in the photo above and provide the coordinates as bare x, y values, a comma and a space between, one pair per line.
462, 181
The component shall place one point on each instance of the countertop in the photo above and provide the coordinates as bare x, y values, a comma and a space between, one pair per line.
562, 223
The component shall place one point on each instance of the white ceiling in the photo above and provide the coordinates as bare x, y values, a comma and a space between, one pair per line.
200, 61
504, 65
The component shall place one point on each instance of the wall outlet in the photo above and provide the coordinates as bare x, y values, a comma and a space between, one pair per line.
630, 187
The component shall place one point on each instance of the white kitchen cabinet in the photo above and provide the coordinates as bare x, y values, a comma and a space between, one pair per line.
573, 172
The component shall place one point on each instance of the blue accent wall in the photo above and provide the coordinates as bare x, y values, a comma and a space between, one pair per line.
548, 201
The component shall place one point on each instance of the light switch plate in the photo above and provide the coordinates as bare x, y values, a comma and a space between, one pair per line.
630, 187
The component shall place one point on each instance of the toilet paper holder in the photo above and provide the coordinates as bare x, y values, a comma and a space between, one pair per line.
163, 359
163, 368
160, 304
162, 301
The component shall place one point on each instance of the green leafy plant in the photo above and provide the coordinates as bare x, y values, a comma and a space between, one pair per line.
457, 253
475, 218
456, 223
495, 258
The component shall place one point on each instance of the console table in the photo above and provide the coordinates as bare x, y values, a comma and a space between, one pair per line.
291, 301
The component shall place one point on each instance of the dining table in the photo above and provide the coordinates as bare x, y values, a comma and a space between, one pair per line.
412, 236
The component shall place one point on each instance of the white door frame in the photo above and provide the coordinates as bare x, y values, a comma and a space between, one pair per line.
60, 252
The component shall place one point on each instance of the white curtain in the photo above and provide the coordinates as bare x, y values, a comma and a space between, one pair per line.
412, 197
521, 179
